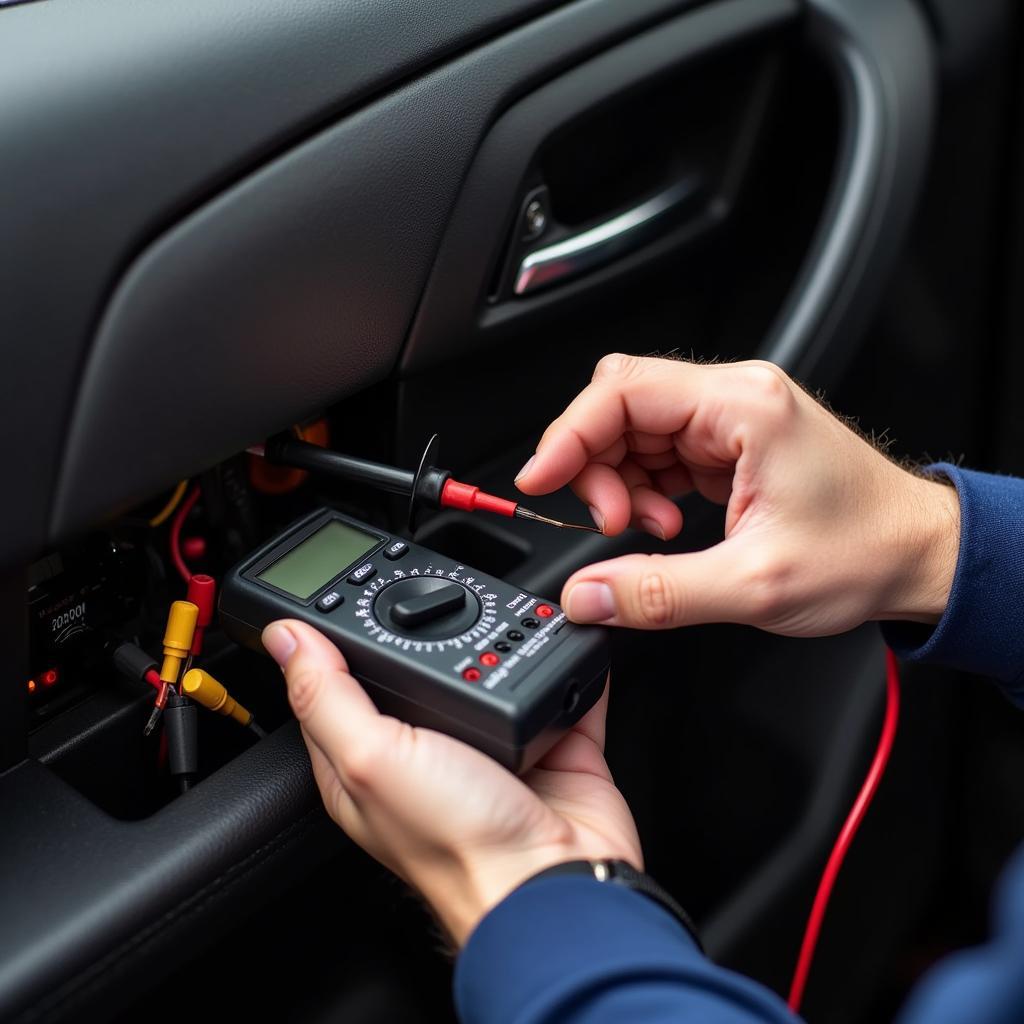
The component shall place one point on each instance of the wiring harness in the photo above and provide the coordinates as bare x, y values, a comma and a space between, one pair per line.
179, 686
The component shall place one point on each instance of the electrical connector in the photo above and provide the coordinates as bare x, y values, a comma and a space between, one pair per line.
212, 694
202, 592
135, 664
181, 726
181, 626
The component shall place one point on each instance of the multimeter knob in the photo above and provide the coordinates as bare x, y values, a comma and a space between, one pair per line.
426, 607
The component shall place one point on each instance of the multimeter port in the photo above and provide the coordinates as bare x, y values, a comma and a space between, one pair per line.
436, 642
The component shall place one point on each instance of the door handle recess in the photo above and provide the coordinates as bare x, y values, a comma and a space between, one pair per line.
598, 245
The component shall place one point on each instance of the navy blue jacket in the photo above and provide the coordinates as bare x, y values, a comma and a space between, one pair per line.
575, 951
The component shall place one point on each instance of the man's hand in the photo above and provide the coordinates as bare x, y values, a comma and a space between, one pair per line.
822, 531
450, 821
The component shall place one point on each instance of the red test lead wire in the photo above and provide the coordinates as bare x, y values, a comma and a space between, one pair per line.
175, 537
853, 821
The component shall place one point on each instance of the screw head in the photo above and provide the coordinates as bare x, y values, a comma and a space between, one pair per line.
535, 218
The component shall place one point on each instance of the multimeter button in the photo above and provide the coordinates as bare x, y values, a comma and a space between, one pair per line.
489, 658
330, 600
545, 611
414, 611
514, 634
530, 623
504, 646
396, 549
362, 573
471, 675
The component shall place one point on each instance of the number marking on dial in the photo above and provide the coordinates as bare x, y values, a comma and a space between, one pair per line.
482, 628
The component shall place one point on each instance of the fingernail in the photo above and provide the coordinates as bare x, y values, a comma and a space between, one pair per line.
526, 469
279, 642
653, 526
595, 514
590, 602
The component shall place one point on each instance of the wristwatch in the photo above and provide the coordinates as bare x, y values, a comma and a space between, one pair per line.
621, 872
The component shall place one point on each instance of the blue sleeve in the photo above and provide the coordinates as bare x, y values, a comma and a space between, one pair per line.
984, 985
981, 629
572, 950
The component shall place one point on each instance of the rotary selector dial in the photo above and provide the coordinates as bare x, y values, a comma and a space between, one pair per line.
455, 631
427, 607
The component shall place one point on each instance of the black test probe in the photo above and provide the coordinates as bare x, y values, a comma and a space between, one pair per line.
427, 488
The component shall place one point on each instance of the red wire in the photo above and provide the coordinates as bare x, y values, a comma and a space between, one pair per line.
162, 695
176, 524
153, 678
849, 830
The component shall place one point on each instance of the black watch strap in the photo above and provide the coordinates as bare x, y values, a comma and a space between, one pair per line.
621, 872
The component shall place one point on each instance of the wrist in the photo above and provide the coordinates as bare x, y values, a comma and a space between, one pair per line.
469, 890
463, 894
926, 543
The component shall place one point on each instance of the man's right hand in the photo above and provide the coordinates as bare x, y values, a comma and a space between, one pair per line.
822, 530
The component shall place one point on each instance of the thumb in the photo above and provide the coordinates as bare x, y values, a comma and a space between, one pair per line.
331, 706
664, 591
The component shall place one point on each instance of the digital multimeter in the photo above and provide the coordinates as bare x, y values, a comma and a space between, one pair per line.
436, 643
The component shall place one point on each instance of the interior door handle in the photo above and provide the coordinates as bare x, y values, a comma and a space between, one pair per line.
600, 244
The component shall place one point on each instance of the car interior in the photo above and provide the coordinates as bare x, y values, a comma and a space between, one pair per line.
364, 224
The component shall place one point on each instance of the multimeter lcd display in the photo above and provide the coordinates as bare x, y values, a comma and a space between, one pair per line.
318, 559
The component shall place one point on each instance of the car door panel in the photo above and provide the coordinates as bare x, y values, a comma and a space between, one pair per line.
230, 218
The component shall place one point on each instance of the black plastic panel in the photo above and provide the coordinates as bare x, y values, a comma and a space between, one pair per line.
14, 668
880, 53
83, 893
296, 287
118, 117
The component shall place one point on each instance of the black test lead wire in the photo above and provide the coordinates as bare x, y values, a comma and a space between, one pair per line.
429, 487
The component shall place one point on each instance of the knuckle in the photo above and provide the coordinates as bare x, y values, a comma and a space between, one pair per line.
767, 583
361, 762
390, 745
657, 598
766, 369
618, 365
767, 379
303, 689
770, 389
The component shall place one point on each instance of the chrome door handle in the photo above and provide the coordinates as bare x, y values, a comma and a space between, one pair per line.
601, 244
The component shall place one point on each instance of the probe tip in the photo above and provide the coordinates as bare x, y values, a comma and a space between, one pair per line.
536, 517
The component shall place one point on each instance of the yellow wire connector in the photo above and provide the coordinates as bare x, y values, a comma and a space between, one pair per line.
181, 626
206, 690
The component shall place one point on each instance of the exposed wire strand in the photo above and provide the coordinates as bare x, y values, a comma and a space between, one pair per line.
812, 931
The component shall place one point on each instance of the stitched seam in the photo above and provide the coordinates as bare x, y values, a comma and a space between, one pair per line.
77, 987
